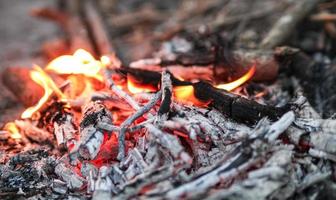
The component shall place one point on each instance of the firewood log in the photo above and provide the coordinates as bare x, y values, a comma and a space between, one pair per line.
18, 81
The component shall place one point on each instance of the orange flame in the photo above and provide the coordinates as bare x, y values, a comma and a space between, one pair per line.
81, 62
43, 79
234, 84
13, 130
135, 87
186, 94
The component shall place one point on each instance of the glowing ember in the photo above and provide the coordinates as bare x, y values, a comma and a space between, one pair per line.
13, 129
41, 78
234, 84
81, 62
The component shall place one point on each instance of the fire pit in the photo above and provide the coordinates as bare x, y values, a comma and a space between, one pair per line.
201, 118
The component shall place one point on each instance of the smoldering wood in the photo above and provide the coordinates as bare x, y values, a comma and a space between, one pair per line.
273, 173
58, 118
324, 125
123, 127
227, 103
168, 141
232, 164
187, 67
198, 124
91, 137
32, 132
64, 130
322, 154
236, 107
265, 178
67, 174
120, 93
166, 99
18, 81
103, 185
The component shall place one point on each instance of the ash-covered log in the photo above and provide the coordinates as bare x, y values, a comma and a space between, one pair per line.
58, 118
91, 137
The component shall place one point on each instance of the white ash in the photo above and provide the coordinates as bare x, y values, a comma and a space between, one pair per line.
73, 180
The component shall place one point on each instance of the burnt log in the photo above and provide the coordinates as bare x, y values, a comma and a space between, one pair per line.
18, 81
231, 105
209, 66
235, 106
91, 137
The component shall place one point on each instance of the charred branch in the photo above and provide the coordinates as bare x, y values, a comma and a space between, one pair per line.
236, 107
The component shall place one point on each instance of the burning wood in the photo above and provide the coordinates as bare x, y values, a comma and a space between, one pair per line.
158, 129
91, 137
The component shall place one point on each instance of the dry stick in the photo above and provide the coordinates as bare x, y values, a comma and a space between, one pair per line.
98, 32
324, 17
113, 128
170, 142
222, 20
123, 95
70, 21
202, 67
131, 119
287, 23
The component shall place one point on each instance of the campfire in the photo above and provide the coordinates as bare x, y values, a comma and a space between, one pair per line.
207, 122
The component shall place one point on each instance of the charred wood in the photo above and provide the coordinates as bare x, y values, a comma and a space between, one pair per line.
236, 107
123, 127
58, 117
166, 99
188, 66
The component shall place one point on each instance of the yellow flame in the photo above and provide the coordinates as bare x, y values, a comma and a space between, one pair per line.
186, 93
135, 88
81, 62
13, 129
105, 61
234, 84
43, 79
